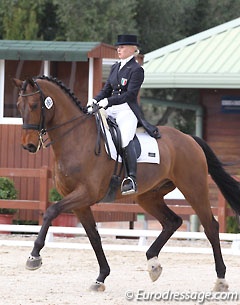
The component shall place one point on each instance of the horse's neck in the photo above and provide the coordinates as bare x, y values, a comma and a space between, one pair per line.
65, 110
70, 129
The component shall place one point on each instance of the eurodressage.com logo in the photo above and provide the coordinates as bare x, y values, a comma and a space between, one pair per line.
199, 297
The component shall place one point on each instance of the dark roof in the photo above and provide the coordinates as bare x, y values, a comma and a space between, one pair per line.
45, 50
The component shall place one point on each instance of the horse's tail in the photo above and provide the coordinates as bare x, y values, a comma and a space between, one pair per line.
229, 187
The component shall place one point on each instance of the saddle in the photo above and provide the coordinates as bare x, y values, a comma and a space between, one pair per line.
116, 137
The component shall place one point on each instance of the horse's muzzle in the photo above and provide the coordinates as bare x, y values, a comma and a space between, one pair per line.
30, 147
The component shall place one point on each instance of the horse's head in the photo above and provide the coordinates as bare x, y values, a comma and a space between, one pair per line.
32, 106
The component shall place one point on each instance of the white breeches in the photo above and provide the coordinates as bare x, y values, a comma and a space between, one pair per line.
126, 120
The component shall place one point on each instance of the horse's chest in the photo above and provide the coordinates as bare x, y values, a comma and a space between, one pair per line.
67, 170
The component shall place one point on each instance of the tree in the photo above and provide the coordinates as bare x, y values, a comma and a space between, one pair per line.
96, 20
159, 23
27, 20
203, 15
49, 25
18, 20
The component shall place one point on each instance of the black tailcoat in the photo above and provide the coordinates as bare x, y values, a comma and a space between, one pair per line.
122, 86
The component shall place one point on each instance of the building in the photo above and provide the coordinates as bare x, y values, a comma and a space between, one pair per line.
208, 61
82, 66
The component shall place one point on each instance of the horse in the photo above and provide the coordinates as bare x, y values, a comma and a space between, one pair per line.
47, 106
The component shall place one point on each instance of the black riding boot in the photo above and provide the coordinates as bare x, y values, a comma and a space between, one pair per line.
129, 185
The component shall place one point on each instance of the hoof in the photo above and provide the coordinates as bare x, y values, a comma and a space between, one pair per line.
220, 286
97, 286
33, 263
154, 268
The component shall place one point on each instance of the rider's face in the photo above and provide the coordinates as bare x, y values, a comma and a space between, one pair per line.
125, 51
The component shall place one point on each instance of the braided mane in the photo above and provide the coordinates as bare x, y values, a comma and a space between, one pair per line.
60, 84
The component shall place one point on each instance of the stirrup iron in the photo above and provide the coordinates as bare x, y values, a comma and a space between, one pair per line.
128, 180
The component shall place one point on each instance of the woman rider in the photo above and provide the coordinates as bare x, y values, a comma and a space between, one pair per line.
119, 98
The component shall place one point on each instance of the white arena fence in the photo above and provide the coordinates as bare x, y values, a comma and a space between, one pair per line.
141, 245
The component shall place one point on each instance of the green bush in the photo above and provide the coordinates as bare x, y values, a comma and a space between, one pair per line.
7, 191
232, 225
54, 195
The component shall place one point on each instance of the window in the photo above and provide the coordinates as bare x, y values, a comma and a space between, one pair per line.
8, 93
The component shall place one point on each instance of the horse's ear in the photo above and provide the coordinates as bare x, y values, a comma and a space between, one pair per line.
30, 81
17, 82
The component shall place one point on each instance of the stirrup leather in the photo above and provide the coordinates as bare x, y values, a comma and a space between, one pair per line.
128, 186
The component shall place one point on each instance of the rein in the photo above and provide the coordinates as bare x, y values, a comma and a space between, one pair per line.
58, 126
101, 131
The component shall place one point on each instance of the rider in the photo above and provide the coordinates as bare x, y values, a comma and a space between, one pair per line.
119, 98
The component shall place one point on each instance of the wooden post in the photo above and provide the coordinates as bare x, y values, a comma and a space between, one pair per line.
222, 212
43, 192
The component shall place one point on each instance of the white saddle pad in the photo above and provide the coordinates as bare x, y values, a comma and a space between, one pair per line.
149, 147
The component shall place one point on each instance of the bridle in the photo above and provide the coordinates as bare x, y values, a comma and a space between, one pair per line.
41, 128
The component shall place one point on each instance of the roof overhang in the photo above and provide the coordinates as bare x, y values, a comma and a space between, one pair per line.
184, 80
210, 59
45, 50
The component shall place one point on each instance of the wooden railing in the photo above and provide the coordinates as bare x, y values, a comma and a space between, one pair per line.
43, 174
179, 206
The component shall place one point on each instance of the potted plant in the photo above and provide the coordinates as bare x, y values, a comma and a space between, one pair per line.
7, 191
64, 219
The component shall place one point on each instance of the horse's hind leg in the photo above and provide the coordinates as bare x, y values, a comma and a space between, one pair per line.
211, 229
212, 234
154, 204
200, 202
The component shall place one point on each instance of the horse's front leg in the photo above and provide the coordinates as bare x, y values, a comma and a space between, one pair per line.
35, 261
86, 218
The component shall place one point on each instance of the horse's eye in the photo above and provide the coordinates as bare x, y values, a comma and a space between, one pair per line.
33, 105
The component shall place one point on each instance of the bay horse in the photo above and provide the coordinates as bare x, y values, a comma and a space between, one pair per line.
82, 177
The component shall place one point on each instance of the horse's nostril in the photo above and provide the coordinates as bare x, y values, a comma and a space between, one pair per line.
30, 147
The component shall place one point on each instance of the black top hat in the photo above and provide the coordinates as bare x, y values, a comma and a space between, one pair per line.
127, 40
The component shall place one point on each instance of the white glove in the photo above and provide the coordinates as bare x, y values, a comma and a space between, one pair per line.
90, 105
91, 102
103, 103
